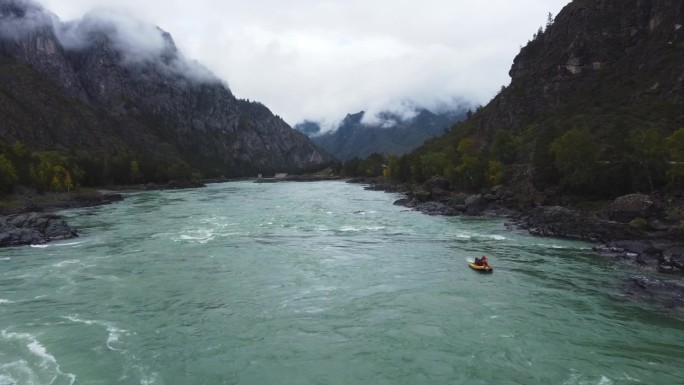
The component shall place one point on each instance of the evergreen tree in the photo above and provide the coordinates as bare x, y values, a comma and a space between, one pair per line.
8, 174
549, 20
136, 175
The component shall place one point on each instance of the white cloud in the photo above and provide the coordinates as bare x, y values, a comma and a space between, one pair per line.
34, 18
323, 59
138, 40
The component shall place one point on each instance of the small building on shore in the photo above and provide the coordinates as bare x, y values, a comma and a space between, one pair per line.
277, 177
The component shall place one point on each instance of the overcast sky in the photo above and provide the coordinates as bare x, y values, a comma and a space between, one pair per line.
322, 59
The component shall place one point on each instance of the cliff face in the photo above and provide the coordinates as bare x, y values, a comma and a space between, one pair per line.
141, 98
27, 34
623, 52
594, 107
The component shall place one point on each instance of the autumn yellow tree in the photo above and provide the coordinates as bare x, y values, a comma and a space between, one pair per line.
53, 171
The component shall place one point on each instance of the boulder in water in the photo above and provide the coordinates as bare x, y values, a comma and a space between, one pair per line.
33, 228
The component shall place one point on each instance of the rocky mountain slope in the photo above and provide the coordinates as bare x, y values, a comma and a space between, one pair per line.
88, 86
597, 56
607, 72
393, 135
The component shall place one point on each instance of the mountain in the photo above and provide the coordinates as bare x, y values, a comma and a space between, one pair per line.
94, 89
391, 135
594, 105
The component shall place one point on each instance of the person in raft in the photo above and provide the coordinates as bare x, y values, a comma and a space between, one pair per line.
482, 261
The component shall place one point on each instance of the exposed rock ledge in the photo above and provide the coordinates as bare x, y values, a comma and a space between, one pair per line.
27, 220
33, 229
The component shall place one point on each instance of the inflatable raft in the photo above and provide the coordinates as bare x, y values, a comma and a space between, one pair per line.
484, 269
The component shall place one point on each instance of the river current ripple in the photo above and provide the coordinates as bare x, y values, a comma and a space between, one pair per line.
318, 283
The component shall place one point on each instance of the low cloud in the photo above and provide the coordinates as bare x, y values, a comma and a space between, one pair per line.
321, 60
138, 41
390, 115
20, 17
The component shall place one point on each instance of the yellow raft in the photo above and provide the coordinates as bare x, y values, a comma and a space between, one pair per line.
484, 269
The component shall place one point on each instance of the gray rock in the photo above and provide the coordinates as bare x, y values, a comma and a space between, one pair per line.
403, 202
420, 196
629, 207
657, 225
438, 193
498, 190
13, 236
33, 228
671, 264
436, 182
671, 294
553, 214
458, 198
562, 222
476, 204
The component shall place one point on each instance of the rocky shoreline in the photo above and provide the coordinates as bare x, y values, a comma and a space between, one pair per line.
635, 229
27, 217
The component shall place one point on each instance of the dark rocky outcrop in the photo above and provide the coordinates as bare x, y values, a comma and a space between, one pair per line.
33, 228
557, 221
437, 186
629, 207
624, 53
26, 216
671, 294
27, 200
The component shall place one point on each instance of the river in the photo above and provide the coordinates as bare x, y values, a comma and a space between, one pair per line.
318, 283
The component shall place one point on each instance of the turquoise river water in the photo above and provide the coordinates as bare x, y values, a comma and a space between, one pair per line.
318, 283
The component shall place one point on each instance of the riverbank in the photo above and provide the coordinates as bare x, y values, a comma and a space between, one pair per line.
26, 200
27, 217
640, 230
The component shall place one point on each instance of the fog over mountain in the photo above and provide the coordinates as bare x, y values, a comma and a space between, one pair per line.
320, 60
388, 133
108, 85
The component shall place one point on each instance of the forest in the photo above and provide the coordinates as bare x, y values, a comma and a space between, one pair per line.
573, 160
58, 171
